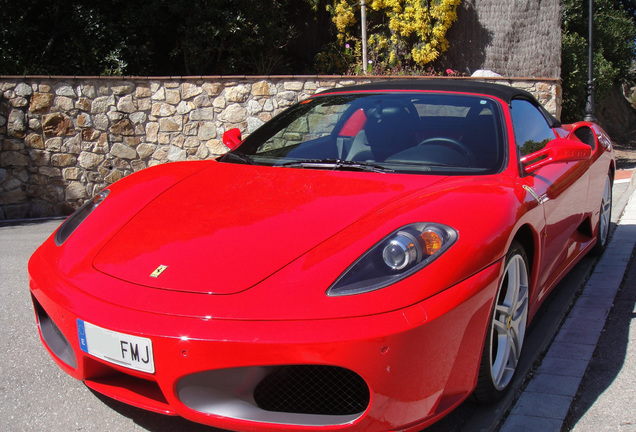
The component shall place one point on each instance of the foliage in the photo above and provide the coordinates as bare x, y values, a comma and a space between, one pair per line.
614, 50
403, 34
333, 60
159, 37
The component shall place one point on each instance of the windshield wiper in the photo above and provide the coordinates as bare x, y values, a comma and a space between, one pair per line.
237, 156
337, 164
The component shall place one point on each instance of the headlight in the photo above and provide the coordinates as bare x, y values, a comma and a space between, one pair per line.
74, 220
396, 257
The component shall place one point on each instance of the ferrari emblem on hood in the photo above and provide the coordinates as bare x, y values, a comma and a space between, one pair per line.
158, 271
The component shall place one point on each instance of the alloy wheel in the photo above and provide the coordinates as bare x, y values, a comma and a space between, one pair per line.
509, 322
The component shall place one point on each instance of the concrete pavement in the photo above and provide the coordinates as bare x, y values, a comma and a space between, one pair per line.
585, 381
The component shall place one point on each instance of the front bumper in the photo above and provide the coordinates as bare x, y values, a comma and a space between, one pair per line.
398, 370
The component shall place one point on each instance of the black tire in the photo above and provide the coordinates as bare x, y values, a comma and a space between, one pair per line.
506, 329
605, 218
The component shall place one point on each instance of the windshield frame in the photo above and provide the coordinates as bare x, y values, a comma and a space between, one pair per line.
353, 102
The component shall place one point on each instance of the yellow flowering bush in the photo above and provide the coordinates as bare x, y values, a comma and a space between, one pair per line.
402, 34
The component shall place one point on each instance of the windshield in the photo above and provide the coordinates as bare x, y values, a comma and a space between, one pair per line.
389, 132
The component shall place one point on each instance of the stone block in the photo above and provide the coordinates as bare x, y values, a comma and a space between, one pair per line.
171, 124
122, 151
34, 141
16, 126
23, 90
115, 175
65, 90
189, 90
39, 158
57, 124
173, 97
87, 90
207, 131
142, 91
12, 145
63, 103
102, 104
127, 104
122, 127
50, 171
18, 102
90, 134
293, 85
72, 145
159, 95
75, 191
261, 88
160, 109
212, 89
13, 197
13, 158
203, 100
219, 102
184, 107
151, 131
63, 160
176, 154
144, 104
202, 114
101, 122
84, 120
234, 113
138, 165
145, 150
123, 88
53, 144
89, 160
160, 154
239, 93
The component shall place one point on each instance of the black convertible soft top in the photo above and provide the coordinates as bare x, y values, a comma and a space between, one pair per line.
503, 92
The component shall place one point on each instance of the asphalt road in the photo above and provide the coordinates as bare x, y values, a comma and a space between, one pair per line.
35, 395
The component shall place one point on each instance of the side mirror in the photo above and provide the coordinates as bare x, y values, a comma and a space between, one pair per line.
557, 150
232, 138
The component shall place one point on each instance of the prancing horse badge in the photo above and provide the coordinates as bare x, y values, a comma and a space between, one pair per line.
158, 271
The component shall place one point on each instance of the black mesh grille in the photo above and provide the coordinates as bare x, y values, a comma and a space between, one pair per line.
586, 135
313, 389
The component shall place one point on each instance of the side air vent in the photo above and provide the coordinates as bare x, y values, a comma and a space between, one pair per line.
53, 337
586, 135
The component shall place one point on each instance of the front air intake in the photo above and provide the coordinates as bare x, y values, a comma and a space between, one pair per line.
306, 395
313, 389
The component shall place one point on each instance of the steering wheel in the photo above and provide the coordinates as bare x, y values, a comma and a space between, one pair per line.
452, 144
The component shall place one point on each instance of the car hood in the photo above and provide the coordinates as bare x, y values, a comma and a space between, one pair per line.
228, 227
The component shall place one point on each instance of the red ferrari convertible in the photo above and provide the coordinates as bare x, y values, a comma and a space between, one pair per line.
364, 261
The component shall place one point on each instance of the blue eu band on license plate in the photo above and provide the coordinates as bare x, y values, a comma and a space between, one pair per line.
126, 350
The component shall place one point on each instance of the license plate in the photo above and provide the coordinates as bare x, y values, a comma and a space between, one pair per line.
133, 352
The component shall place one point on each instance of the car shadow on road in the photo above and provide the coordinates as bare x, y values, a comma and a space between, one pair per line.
611, 351
153, 421
37, 221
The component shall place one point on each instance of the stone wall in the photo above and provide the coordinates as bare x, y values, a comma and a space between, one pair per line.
65, 138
